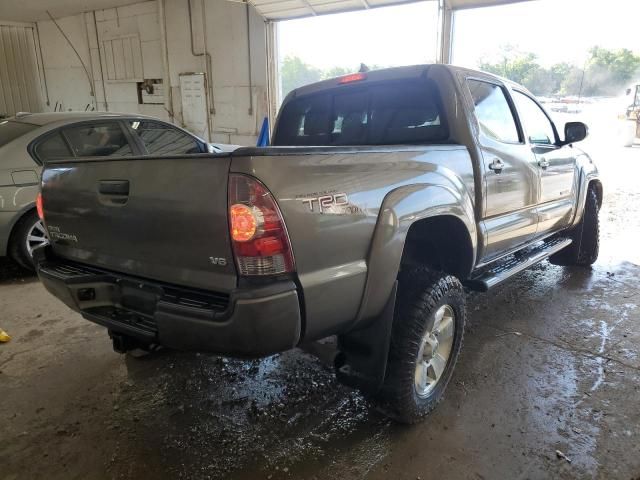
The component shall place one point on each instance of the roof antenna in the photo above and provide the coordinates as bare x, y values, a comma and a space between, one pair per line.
363, 68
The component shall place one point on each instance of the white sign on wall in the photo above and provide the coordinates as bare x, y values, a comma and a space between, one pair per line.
195, 116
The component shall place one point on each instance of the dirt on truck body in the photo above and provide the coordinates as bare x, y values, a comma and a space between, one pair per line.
383, 194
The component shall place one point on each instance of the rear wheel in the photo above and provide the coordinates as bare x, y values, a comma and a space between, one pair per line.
425, 342
585, 247
28, 234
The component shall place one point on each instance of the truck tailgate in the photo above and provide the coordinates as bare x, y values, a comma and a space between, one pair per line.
162, 219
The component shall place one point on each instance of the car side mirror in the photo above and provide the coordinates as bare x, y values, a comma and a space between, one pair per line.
575, 132
628, 91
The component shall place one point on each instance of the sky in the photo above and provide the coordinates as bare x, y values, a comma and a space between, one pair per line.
555, 30
389, 36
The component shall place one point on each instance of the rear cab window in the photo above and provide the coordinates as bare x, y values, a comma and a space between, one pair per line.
98, 140
10, 130
382, 113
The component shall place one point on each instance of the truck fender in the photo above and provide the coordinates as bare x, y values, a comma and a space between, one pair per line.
400, 209
587, 174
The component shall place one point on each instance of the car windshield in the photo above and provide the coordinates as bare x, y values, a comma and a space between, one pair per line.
10, 130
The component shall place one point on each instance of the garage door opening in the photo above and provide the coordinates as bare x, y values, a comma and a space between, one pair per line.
315, 48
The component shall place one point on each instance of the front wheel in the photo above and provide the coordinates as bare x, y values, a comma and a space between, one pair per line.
28, 234
426, 339
585, 246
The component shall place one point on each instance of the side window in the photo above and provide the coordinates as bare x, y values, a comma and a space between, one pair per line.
162, 139
52, 147
103, 140
493, 112
534, 121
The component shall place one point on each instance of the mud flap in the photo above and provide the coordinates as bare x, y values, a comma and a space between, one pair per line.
362, 359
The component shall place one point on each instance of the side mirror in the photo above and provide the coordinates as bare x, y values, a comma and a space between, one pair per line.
575, 132
628, 91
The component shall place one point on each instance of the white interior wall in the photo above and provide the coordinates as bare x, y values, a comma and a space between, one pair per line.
227, 44
226, 34
66, 80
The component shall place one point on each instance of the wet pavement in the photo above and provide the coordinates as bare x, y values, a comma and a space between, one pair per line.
551, 362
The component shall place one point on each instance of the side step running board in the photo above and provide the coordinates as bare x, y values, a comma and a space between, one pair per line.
492, 276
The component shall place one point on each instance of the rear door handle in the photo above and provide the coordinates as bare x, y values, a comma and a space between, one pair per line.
114, 187
543, 163
497, 165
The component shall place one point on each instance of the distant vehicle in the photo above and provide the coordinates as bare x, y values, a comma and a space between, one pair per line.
633, 110
383, 192
566, 105
30, 139
632, 116
574, 108
558, 107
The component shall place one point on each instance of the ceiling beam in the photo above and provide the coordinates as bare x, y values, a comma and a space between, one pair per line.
468, 4
313, 11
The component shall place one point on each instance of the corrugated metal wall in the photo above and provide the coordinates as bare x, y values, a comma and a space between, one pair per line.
19, 76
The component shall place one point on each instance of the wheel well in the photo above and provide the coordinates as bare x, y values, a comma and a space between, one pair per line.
597, 186
15, 226
440, 243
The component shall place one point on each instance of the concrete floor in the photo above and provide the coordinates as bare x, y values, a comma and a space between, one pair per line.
551, 362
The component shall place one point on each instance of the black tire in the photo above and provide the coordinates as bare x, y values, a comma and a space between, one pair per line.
421, 293
585, 247
18, 250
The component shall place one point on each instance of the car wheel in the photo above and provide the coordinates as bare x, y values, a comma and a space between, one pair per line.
585, 247
28, 234
426, 339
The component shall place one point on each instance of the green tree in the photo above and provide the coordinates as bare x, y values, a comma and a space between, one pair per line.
336, 72
572, 82
295, 73
511, 63
609, 70
605, 72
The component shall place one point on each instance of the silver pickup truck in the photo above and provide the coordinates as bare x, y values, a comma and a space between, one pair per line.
383, 194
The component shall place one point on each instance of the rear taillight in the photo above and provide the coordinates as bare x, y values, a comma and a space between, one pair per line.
39, 206
260, 241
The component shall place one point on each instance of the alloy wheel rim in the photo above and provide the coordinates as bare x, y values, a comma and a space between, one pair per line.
36, 237
435, 350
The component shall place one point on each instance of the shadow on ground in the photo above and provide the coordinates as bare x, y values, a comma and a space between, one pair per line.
10, 271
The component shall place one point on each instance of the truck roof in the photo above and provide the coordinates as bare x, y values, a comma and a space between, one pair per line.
398, 73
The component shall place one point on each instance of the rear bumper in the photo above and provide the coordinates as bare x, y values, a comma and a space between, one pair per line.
248, 322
